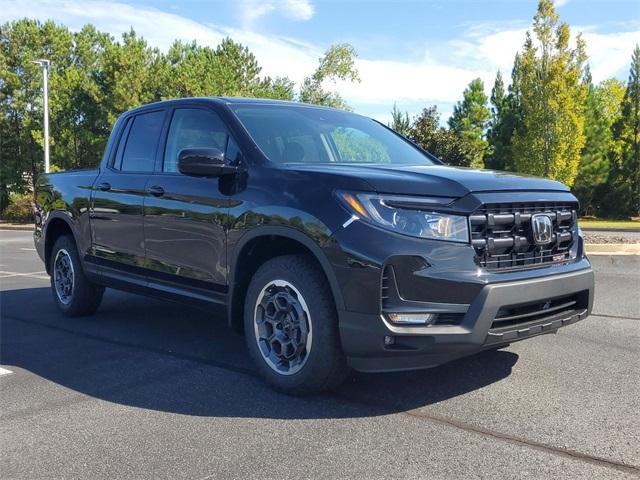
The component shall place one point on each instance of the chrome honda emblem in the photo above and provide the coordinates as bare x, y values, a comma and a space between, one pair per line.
542, 227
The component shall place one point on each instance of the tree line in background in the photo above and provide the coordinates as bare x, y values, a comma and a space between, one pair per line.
551, 120
94, 78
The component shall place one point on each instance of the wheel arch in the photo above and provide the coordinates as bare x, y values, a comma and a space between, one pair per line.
57, 226
262, 244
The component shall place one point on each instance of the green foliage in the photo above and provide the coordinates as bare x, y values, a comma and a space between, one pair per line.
550, 121
190, 70
602, 110
94, 78
356, 146
626, 153
463, 143
20, 208
551, 96
338, 63
505, 115
443, 143
469, 122
400, 122
20, 89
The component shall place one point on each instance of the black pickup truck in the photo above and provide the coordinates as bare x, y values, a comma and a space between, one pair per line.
333, 242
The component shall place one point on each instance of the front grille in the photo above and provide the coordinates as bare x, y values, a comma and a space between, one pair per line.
502, 235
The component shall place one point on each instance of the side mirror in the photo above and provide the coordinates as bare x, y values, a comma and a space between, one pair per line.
204, 162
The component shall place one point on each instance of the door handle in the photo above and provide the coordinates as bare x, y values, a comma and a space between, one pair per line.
104, 186
156, 190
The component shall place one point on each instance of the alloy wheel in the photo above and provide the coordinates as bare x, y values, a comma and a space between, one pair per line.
63, 276
282, 327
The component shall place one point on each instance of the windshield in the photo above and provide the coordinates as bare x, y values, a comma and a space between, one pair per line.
301, 134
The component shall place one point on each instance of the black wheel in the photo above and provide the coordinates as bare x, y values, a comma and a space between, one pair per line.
74, 294
291, 327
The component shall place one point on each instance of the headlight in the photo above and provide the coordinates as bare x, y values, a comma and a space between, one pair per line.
408, 215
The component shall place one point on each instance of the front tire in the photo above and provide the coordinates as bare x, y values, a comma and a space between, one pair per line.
72, 292
291, 327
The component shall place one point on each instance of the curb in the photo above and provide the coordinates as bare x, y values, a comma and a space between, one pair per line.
612, 248
612, 230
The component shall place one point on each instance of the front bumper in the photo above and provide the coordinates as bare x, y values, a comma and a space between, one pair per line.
413, 347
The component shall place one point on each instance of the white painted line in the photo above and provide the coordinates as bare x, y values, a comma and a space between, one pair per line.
4, 274
4, 371
28, 249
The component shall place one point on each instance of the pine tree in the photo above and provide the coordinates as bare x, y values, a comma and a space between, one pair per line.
550, 138
500, 127
469, 122
602, 110
505, 121
627, 132
400, 122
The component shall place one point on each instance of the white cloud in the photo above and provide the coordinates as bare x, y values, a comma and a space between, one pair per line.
251, 10
277, 55
610, 54
298, 9
492, 47
437, 77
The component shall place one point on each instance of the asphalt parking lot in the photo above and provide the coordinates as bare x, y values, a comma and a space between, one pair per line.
149, 389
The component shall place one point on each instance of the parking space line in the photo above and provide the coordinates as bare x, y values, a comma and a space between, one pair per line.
28, 249
6, 274
4, 371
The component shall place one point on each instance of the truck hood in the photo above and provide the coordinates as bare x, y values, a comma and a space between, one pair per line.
436, 180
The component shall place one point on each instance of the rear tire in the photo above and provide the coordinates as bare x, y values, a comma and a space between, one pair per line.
72, 292
291, 327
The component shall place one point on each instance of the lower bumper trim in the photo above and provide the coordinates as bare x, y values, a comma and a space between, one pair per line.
363, 335
535, 328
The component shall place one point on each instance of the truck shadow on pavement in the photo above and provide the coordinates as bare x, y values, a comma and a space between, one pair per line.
150, 354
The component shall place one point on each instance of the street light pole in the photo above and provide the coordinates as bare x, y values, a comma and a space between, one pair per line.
44, 63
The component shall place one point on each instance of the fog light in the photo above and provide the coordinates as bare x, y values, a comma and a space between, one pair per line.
413, 318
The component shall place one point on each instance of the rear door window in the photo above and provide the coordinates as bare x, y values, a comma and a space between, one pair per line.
139, 151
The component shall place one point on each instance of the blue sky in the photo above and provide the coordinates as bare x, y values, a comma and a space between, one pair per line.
416, 53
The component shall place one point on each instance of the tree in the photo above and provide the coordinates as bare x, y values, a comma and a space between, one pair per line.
602, 110
469, 122
505, 114
444, 144
552, 96
229, 70
21, 141
94, 78
78, 105
338, 63
627, 148
133, 74
400, 122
